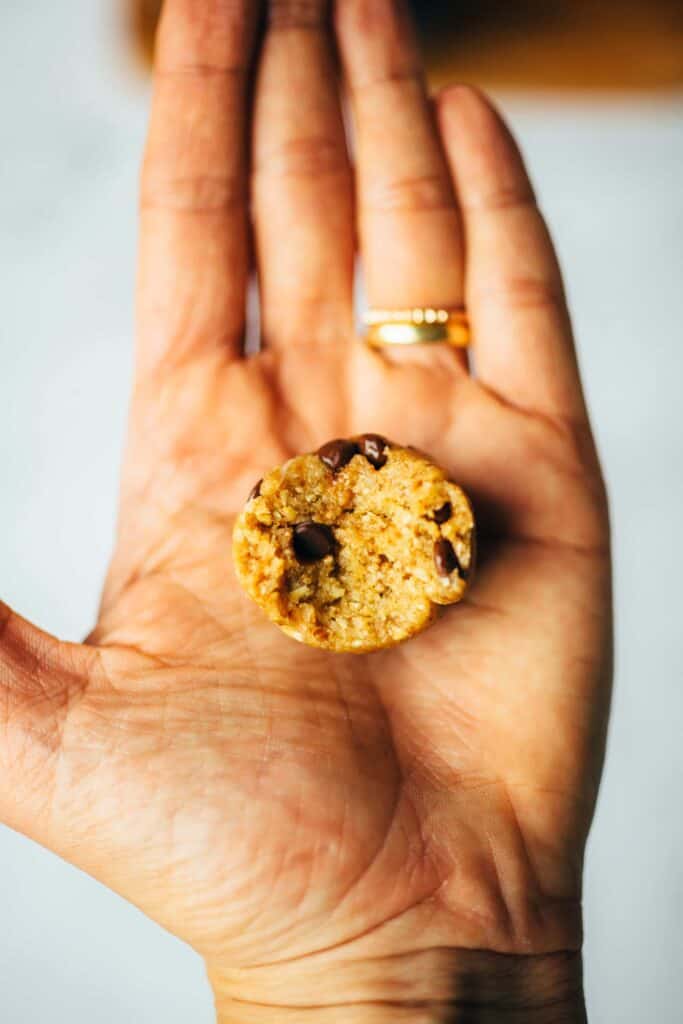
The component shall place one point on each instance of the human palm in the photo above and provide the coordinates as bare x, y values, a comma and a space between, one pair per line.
269, 803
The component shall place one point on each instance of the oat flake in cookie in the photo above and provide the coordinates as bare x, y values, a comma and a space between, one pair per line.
354, 547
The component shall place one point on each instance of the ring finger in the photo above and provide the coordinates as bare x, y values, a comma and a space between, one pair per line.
409, 223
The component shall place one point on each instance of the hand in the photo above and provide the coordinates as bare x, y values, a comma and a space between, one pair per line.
333, 831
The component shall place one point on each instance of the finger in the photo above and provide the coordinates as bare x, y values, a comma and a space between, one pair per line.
408, 219
523, 346
41, 680
194, 251
302, 190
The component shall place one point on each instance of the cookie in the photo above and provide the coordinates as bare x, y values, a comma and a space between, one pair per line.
355, 547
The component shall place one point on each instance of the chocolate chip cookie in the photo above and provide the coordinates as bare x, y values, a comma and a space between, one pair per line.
354, 547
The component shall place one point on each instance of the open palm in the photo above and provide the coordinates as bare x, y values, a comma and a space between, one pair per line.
268, 803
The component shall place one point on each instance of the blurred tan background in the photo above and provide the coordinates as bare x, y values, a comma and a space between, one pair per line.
554, 44
601, 123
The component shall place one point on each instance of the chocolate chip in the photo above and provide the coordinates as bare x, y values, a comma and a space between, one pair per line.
374, 448
335, 454
443, 514
445, 558
312, 542
255, 491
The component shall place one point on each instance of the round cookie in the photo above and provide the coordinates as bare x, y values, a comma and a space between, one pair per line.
354, 547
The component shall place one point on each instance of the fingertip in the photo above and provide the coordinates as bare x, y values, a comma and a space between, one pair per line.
467, 108
450, 99
457, 95
191, 34
377, 40
484, 157
373, 17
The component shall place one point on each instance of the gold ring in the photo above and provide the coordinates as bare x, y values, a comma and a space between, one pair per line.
416, 327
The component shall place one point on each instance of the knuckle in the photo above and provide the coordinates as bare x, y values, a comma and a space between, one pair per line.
306, 157
420, 194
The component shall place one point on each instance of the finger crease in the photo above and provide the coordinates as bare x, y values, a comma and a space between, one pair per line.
388, 78
305, 157
429, 192
332, 337
195, 70
195, 194
520, 294
500, 199
600, 551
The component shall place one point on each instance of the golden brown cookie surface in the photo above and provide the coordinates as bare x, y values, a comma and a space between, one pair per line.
353, 548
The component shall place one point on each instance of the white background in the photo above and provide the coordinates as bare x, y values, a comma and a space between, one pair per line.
609, 178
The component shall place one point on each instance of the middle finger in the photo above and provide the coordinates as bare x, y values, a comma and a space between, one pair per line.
303, 195
411, 237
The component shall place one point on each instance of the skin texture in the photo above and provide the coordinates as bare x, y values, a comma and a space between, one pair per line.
332, 830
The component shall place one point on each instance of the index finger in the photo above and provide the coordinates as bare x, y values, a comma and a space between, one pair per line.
194, 259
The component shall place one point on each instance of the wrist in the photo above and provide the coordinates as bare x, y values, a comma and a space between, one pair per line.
433, 987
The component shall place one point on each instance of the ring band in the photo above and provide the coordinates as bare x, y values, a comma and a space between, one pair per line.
416, 327
416, 315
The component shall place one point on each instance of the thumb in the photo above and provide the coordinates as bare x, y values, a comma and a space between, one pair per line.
41, 680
